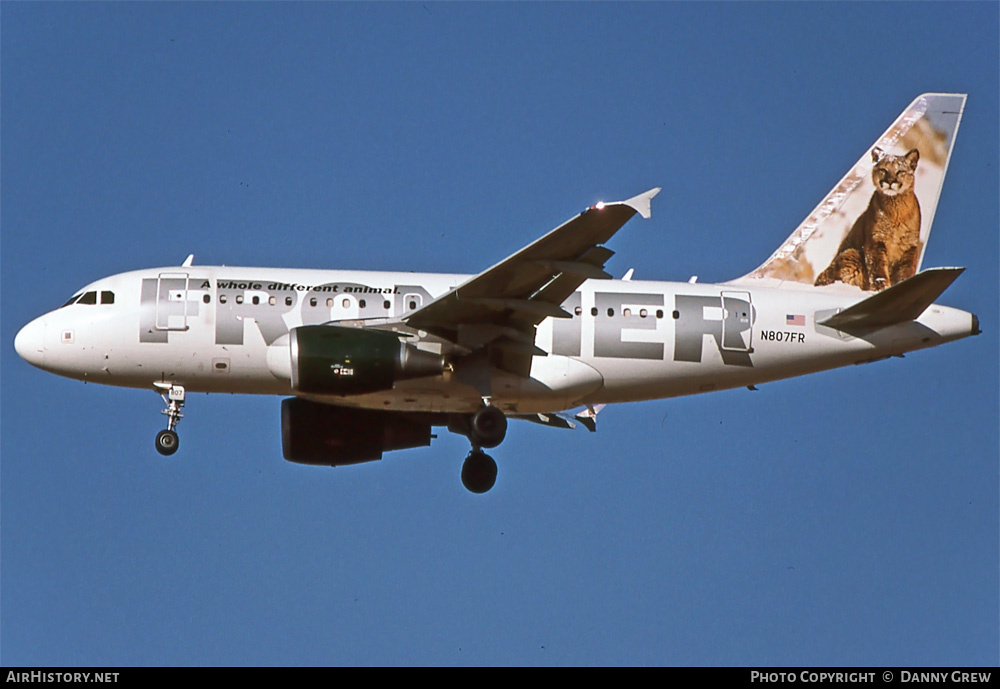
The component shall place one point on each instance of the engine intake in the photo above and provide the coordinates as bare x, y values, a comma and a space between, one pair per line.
333, 360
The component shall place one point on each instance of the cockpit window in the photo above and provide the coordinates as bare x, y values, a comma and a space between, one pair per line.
107, 297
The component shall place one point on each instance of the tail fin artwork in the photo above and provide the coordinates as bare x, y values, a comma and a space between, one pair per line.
871, 230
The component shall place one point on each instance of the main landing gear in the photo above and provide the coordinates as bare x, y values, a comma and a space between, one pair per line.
486, 428
479, 472
167, 441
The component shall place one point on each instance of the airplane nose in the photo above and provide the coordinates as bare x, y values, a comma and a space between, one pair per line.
30, 342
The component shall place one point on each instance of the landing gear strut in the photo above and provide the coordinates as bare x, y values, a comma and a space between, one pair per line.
167, 441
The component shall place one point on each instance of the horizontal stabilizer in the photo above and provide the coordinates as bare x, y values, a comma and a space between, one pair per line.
902, 302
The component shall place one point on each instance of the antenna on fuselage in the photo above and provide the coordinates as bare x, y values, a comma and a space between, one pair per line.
188, 261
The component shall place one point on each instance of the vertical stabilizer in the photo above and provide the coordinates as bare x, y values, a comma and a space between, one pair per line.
871, 230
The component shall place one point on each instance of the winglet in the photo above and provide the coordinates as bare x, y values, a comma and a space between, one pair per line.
640, 204
897, 304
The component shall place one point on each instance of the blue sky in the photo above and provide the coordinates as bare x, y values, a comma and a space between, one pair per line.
849, 517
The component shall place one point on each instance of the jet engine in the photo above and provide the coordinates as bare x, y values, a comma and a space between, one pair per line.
315, 433
334, 360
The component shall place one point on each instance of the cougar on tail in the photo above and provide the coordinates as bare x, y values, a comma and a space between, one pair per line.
883, 247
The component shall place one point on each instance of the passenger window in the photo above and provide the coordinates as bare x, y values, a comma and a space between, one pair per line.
88, 298
288, 301
222, 298
239, 298
578, 310
385, 305
329, 302
643, 313
593, 311
256, 301
676, 315
627, 313
312, 301
413, 304
611, 312
361, 303
206, 298
272, 300
346, 303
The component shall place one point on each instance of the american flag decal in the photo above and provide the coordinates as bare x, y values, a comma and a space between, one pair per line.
795, 319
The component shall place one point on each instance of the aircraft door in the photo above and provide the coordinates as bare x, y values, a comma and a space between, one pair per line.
737, 319
172, 301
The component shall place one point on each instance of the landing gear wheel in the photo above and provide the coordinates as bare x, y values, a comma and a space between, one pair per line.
479, 472
488, 427
167, 442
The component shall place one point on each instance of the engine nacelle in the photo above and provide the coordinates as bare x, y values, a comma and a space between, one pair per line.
333, 360
314, 433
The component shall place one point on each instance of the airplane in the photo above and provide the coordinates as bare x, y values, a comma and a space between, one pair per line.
371, 362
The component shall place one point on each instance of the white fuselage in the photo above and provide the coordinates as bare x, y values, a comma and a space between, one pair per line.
220, 329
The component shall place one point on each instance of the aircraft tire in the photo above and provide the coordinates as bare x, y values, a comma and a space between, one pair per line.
479, 472
167, 442
488, 427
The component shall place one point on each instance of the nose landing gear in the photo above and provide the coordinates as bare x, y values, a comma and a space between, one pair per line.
167, 441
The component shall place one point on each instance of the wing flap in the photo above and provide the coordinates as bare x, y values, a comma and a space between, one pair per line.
577, 269
534, 307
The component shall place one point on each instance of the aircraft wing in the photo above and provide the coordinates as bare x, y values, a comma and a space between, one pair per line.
501, 306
